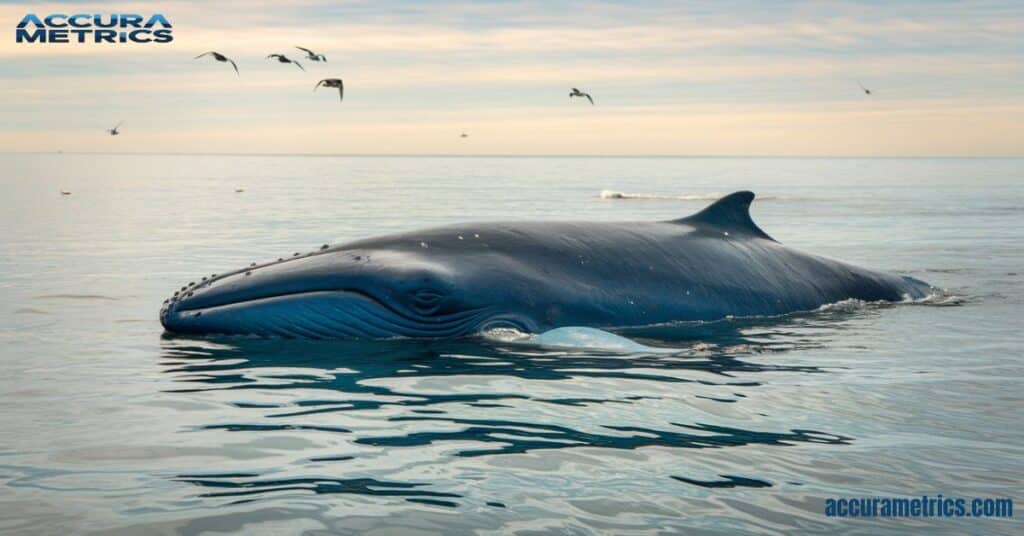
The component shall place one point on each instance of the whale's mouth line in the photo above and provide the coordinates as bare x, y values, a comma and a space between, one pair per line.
360, 315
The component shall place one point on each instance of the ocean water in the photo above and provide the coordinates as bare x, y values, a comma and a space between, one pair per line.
739, 426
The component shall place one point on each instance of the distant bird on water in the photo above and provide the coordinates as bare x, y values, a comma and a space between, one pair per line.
577, 93
313, 56
464, 135
332, 82
114, 131
65, 192
220, 57
866, 90
281, 58
239, 190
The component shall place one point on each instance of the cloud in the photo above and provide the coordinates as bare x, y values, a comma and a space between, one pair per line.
665, 76
847, 128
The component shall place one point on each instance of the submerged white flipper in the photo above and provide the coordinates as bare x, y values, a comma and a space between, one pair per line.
581, 338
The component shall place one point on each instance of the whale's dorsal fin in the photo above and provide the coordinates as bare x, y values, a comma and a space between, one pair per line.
731, 213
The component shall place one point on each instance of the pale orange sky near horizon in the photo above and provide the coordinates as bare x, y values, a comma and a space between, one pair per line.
667, 78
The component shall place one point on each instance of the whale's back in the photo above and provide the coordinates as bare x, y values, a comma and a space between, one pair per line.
715, 263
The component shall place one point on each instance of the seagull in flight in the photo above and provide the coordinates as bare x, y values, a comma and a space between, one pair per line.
220, 57
866, 90
577, 93
313, 56
281, 58
332, 82
113, 131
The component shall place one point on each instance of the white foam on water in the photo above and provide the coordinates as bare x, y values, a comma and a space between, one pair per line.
937, 297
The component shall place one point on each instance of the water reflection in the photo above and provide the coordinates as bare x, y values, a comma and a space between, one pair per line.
406, 396
243, 484
518, 437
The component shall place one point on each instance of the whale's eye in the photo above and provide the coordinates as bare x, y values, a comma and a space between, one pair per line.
426, 300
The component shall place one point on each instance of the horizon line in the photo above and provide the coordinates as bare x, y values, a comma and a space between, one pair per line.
495, 155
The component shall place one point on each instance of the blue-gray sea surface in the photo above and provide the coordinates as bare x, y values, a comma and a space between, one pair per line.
747, 426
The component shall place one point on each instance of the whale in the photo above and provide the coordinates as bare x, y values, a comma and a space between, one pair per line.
466, 279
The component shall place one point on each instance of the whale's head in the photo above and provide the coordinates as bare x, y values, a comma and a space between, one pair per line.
355, 292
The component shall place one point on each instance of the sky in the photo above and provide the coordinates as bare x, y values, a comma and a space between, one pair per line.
668, 78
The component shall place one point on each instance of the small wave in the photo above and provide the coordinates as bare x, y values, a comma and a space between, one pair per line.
714, 196
612, 194
939, 298
75, 297
30, 311
851, 304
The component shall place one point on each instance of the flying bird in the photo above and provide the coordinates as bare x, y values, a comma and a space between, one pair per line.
113, 131
65, 192
313, 56
220, 57
281, 58
577, 93
866, 90
464, 135
332, 82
